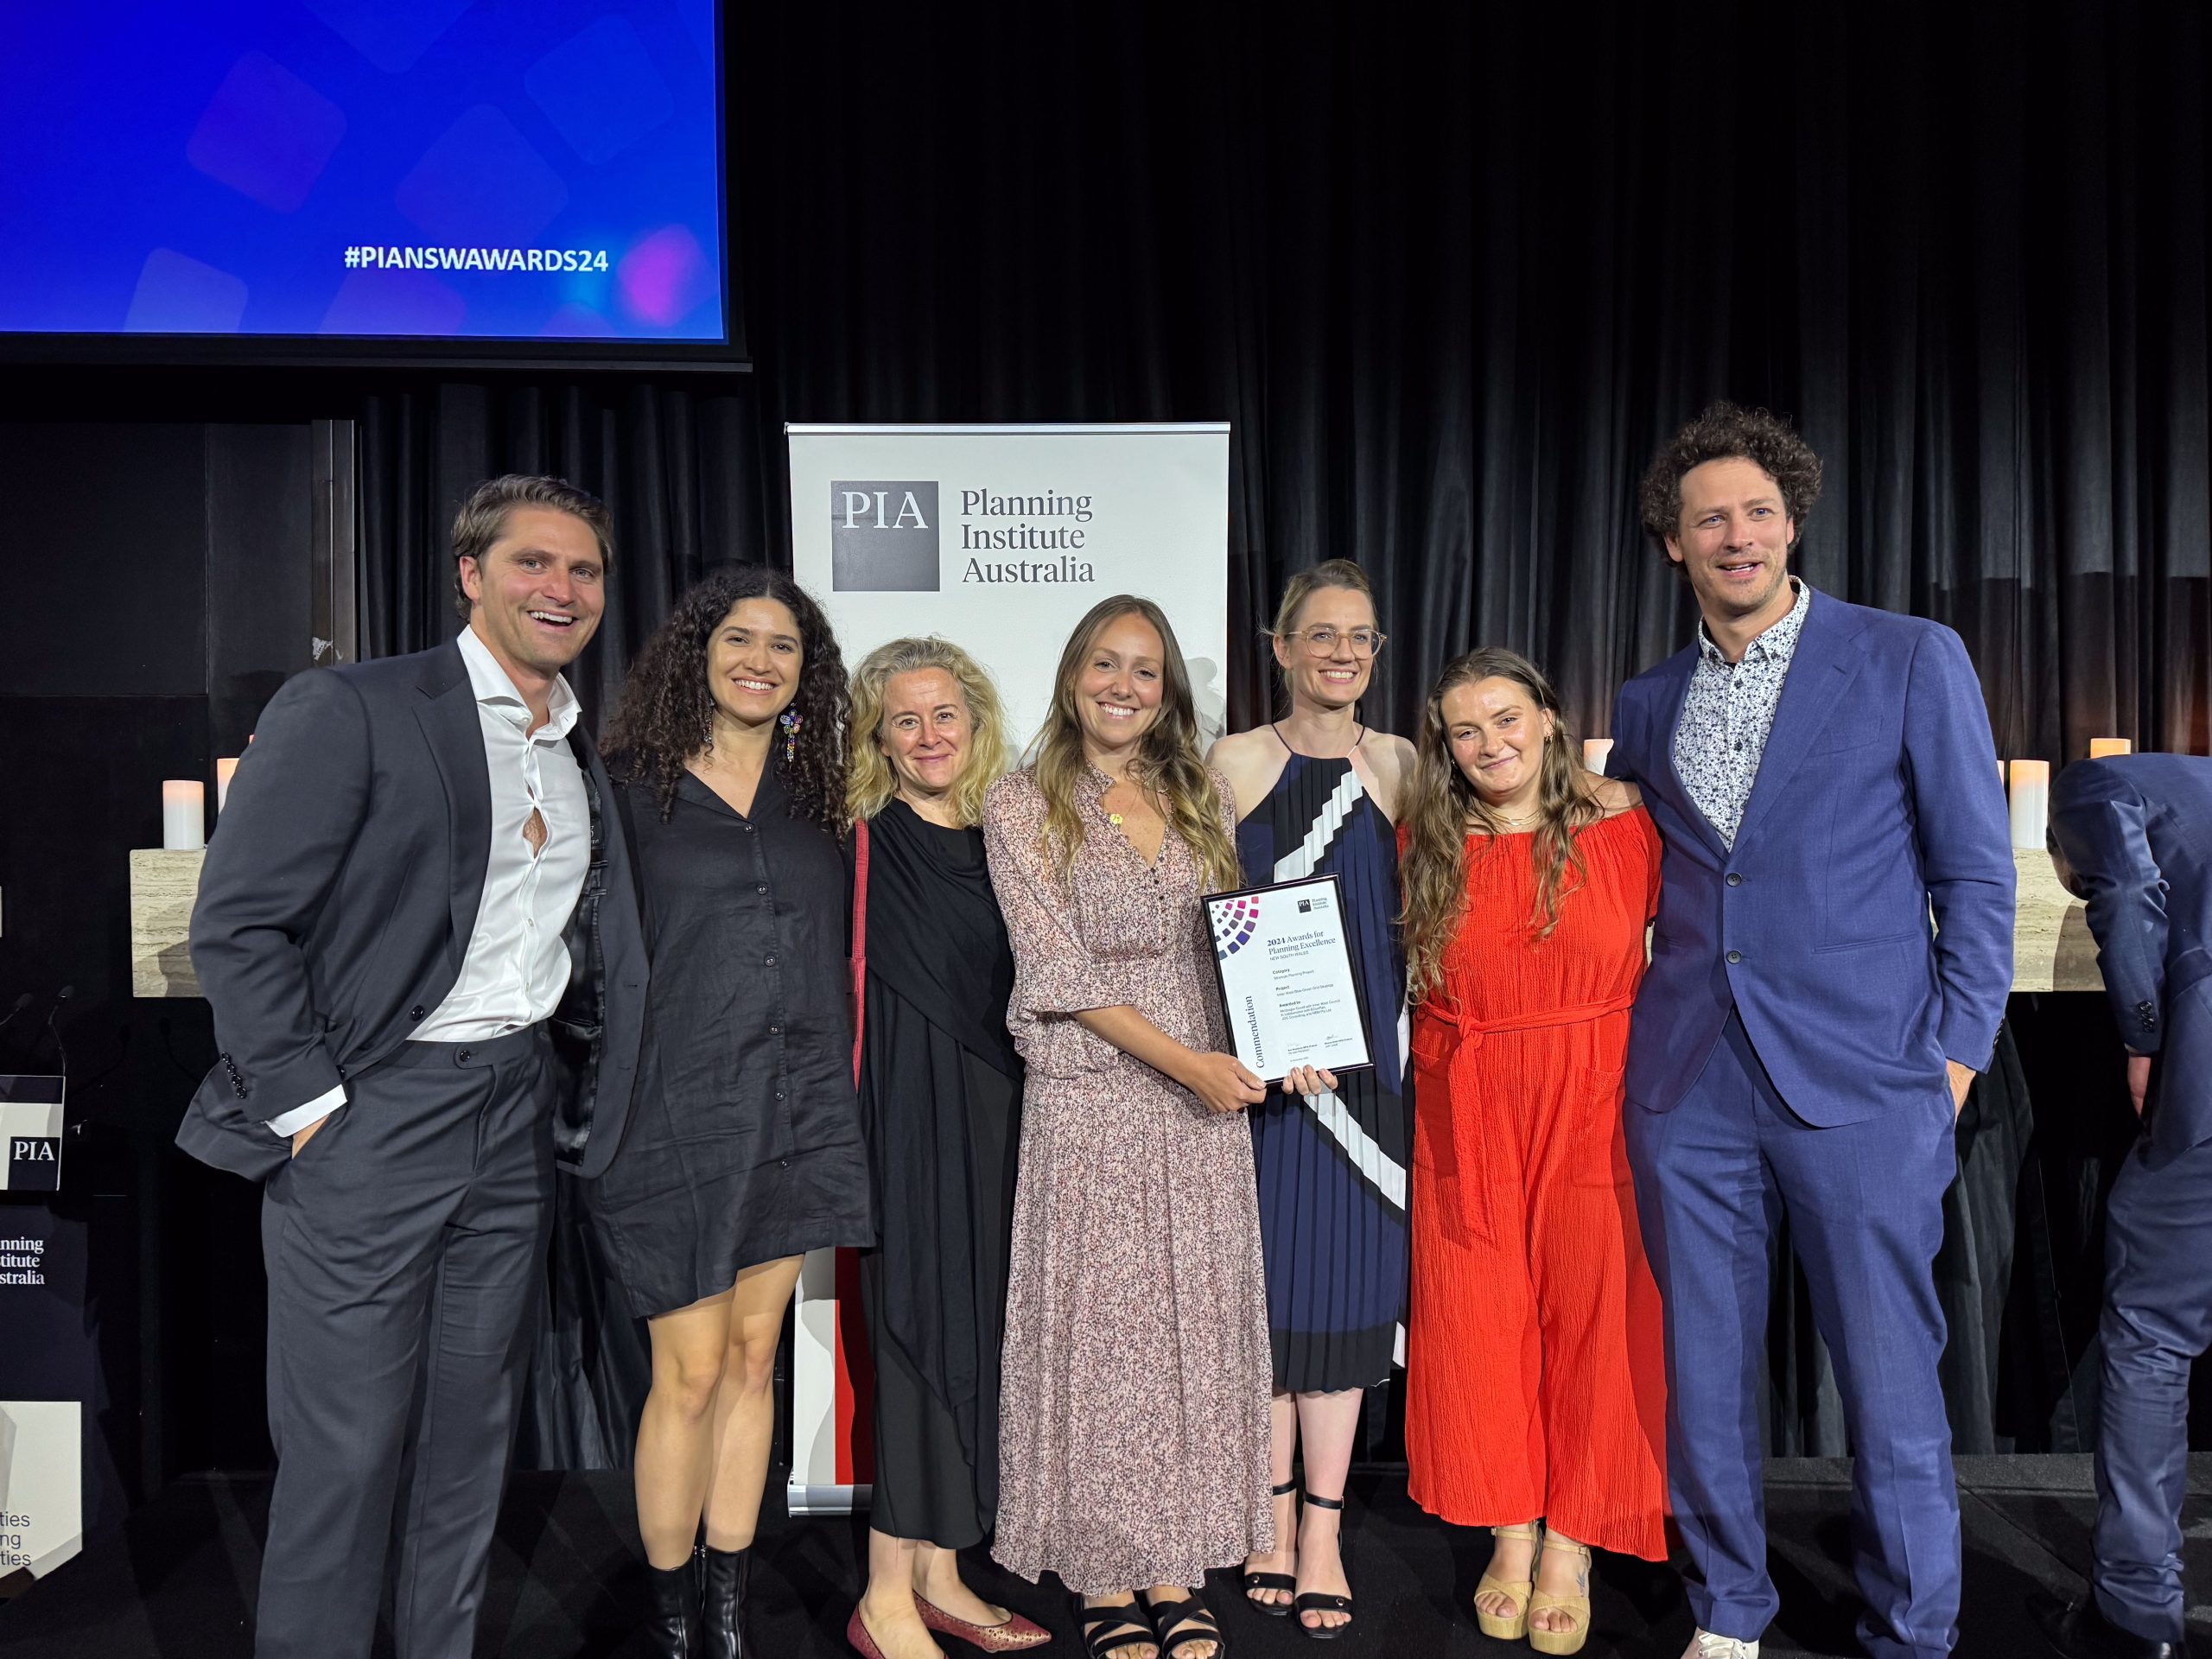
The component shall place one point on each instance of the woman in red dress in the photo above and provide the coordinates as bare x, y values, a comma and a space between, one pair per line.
1536, 1401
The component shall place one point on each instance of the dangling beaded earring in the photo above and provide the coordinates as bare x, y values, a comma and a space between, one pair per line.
789, 721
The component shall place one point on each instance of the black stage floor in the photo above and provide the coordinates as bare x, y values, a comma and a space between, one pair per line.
175, 1583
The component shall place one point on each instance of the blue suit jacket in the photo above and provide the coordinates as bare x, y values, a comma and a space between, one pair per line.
1877, 796
2137, 830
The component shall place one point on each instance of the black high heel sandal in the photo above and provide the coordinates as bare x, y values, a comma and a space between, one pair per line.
1167, 1612
1106, 1629
1314, 1601
1272, 1581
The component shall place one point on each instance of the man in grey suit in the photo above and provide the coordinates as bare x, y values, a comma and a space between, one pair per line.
2133, 837
419, 932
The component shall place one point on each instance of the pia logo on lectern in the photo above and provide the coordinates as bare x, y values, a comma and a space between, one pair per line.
34, 1163
883, 535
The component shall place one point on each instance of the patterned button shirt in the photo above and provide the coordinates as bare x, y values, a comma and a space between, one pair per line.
1727, 714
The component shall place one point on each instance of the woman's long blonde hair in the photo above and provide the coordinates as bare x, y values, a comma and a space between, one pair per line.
870, 782
1167, 762
1443, 809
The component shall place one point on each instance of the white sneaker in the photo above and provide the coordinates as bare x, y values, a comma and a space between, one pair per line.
1705, 1645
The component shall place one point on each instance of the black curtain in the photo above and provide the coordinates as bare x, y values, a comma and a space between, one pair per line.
1453, 273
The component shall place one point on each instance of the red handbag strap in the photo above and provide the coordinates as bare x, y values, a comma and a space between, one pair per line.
859, 938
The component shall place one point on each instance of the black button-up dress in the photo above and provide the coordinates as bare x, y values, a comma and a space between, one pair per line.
743, 1141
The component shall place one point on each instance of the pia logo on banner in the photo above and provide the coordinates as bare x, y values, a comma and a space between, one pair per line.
883, 535
1233, 925
34, 1163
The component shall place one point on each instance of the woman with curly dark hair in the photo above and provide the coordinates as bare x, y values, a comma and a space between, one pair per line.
744, 1148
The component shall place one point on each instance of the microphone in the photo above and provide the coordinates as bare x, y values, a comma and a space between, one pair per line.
60, 1049
22, 1002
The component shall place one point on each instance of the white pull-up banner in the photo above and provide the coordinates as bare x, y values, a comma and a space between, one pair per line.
998, 539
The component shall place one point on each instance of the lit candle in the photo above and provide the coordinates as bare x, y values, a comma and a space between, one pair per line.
184, 814
1594, 751
223, 769
2030, 803
2102, 747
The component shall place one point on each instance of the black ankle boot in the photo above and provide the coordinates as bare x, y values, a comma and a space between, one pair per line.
726, 1575
673, 1627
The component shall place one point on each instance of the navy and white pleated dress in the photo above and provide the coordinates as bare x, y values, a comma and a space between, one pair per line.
1333, 1167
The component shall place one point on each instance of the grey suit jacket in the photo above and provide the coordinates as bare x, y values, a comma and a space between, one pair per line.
338, 895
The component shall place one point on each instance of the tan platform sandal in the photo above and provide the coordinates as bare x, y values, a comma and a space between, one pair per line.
1518, 1591
1571, 1639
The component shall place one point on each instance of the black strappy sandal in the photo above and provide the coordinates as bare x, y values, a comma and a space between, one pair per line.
1166, 1613
1107, 1630
1272, 1581
1314, 1601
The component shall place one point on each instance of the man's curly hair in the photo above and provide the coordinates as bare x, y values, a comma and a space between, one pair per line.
666, 713
1723, 432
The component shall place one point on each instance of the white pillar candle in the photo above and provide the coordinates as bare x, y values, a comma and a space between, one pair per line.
224, 768
2102, 747
184, 815
2030, 803
1594, 751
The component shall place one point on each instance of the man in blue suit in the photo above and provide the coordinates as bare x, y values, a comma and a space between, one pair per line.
2132, 836
1821, 775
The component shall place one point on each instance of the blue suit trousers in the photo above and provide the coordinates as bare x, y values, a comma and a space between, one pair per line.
2158, 1320
1864, 1205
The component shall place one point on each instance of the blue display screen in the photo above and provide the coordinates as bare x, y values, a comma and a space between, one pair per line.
422, 169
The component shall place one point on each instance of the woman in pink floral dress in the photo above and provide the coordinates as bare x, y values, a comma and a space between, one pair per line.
1136, 1372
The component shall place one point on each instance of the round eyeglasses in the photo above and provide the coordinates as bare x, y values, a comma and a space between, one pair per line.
1322, 641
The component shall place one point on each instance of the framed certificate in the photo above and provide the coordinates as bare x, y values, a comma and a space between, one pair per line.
1283, 965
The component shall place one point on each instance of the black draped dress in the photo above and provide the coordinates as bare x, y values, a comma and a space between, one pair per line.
940, 1090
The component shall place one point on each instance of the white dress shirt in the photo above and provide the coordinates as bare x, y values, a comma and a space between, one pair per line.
517, 964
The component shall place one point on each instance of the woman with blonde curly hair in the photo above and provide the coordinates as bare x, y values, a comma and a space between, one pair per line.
940, 1088
1134, 1404
1535, 1387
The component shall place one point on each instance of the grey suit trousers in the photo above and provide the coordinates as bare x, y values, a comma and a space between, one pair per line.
402, 1245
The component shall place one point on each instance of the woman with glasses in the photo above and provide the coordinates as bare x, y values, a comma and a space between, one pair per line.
1331, 1150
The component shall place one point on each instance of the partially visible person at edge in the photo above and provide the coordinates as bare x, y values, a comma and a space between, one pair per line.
1536, 1381
1320, 790
2132, 836
1133, 1409
744, 1148
417, 931
1821, 775
940, 1089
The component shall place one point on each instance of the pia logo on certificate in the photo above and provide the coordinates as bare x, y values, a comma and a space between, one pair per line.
883, 535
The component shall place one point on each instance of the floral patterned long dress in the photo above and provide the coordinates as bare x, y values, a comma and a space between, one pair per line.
1134, 1396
